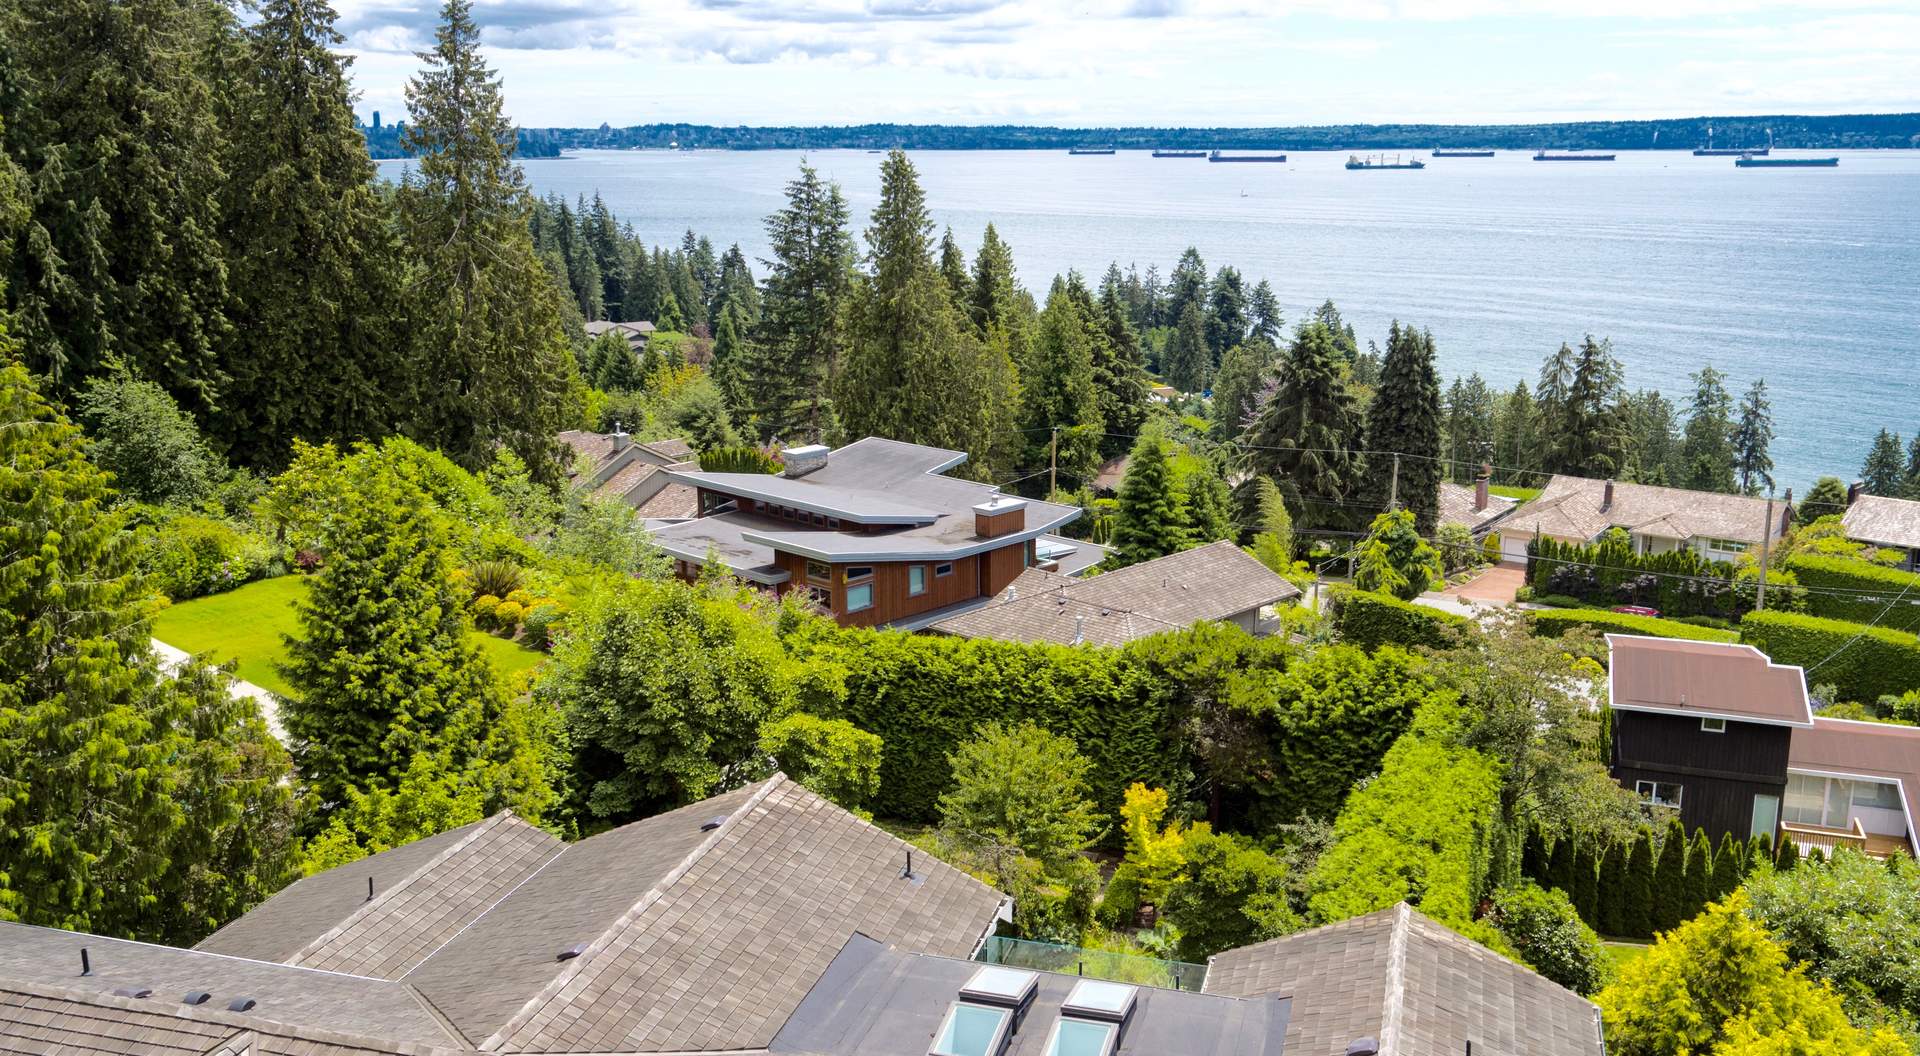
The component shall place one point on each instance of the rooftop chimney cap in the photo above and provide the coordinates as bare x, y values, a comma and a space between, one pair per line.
800, 461
1000, 504
1363, 1047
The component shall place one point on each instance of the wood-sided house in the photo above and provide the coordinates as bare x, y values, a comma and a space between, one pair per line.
875, 532
1729, 739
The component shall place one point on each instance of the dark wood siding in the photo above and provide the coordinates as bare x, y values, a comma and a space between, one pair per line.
1719, 773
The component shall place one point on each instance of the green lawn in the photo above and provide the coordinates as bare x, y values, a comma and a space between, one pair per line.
246, 625
1508, 491
1623, 952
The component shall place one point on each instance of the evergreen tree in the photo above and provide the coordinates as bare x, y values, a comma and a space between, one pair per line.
1555, 386
1726, 869
1120, 382
1707, 452
1759, 852
1789, 855
1226, 313
132, 803
1306, 435
738, 294
1636, 915
994, 298
953, 268
1884, 472
1471, 421
1404, 420
1752, 465
1394, 559
1208, 502
1148, 520
670, 317
1658, 449
1613, 890
1188, 366
1910, 489
802, 332
1268, 525
1827, 498
611, 366
1340, 330
382, 662
111, 119
1061, 403
1586, 433
1670, 879
1699, 880
1246, 372
1533, 856
1516, 435
1560, 865
1264, 310
1187, 285
312, 261
729, 361
486, 313
1586, 883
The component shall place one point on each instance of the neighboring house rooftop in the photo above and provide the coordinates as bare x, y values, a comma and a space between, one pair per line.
640, 328
1673, 676
1411, 984
1581, 508
631, 471
1883, 522
1457, 507
1211, 582
1848, 748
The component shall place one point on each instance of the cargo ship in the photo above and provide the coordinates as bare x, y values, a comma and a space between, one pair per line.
1217, 156
1749, 161
1179, 153
1711, 151
1438, 153
1542, 155
1379, 161
1089, 150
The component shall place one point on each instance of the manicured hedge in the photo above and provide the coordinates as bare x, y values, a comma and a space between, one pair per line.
1549, 623
1865, 589
1863, 662
1370, 619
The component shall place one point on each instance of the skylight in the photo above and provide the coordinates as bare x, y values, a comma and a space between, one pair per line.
1098, 999
1081, 1037
999, 985
972, 1030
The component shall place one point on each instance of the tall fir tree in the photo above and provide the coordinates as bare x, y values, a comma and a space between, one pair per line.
1061, 412
1707, 451
1827, 498
1227, 320
1727, 868
802, 331
1471, 422
1189, 367
993, 296
1264, 313
1306, 435
494, 363
1149, 520
1613, 890
729, 363
1884, 472
111, 120
1516, 436
1670, 878
1586, 434
1636, 915
1187, 285
1699, 883
1120, 381
1404, 420
382, 662
132, 802
953, 268
1560, 865
1910, 488
1752, 465
316, 353
1658, 448
1209, 503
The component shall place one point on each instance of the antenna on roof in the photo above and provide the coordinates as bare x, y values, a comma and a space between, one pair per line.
907, 873
86, 965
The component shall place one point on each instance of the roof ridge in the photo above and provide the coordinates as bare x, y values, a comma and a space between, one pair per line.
646, 901
1396, 982
364, 909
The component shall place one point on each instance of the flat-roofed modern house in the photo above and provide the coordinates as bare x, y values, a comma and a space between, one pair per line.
1890, 524
875, 532
1729, 739
761, 921
1218, 581
1580, 510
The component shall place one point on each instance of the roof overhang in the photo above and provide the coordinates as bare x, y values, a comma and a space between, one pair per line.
794, 543
1701, 713
700, 480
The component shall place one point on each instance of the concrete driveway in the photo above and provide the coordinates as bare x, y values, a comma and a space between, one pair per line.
1495, 586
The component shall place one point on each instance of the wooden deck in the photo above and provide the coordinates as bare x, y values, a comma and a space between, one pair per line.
1874, 845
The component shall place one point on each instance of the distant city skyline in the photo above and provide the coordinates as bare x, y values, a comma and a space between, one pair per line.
1158, 62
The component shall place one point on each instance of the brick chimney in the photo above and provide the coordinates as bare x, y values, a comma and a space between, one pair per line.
1606, 498
617, 440
1481, 483
800, 461
1853, 491
998, 516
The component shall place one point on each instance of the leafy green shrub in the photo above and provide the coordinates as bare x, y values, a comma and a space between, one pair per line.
1558, 601
506, 616
1231, 893
1020, 786
738, 460
537, 629
1858, 591
833, 757
1369, 619
497, 578
1861, 661
1855, 923
522, 598
1554, 622
1543, 927
186, 555
1709, 621
153, 448
1609, 572
483, 608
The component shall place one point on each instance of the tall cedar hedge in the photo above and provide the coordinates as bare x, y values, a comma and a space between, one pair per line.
1549, 623
1669, 905
1845, 588
1636, 902
1370, 619
1613, 890
1864, 662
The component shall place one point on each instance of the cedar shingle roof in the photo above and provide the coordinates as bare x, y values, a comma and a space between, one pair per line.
720, 951
673, 502
1456, 507
1674, 676
1571, 508
1412, 984
1210, 582
1883, 521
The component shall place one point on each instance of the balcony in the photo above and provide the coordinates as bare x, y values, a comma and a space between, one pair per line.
1094, 964
1872, 844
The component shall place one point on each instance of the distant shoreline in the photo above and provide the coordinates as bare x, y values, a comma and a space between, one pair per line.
1788, 132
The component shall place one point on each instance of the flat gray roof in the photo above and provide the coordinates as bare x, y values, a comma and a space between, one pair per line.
726, 535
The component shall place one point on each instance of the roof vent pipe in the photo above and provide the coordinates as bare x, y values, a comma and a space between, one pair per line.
86, 963
1364, 1047
571, 952
1079, 630
241, 1004
195, 997
369, 888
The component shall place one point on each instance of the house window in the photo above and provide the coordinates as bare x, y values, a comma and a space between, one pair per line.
833, 523
820, 596
945, 568
1658, 793
1875, 794
819, 572
1766, 815
916, 580
1807, 800
860, 597
1727, 546
858, 572
1713, 725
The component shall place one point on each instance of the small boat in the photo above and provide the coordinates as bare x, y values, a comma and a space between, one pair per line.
1379, 161
1542, 155
1218, 156
1749, 161
1089, 150
1438, 153
1179, 153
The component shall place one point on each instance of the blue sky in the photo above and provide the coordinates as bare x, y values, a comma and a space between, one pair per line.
1159, 62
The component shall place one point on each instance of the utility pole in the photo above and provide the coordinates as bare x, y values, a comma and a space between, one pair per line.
1766, 536
1393, 489
1053, 463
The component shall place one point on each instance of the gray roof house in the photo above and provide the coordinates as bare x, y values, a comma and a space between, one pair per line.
1581, 510
636, 333
637, 474
1477, 507
1886, 523
763, 920
1218, 581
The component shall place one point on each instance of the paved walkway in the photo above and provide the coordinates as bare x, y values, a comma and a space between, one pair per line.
171, 659
1495, 586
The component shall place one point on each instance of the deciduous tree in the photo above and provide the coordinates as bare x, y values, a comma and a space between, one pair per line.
1020, 787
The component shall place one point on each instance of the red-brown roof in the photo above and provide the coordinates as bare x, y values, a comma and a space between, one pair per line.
1707, 679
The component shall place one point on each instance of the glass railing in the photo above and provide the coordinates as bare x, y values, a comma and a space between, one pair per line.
1094, 964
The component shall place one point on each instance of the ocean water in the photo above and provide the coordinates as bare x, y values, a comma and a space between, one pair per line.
1809, 278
